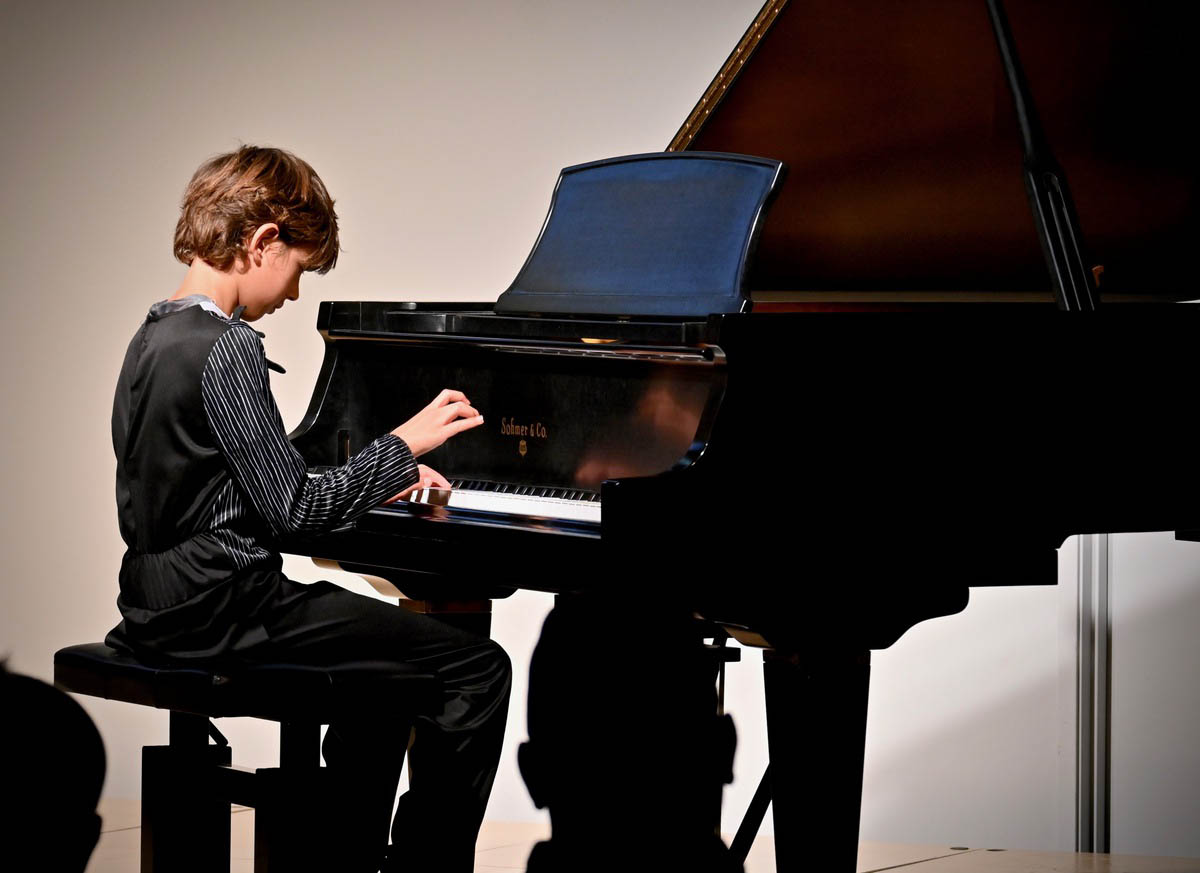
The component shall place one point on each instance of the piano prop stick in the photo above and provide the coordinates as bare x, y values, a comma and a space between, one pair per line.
1046, 184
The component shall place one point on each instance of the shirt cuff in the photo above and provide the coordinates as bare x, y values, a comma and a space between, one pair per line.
394, 454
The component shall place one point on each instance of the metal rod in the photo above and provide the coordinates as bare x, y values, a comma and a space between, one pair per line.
1045, 183
1094, 689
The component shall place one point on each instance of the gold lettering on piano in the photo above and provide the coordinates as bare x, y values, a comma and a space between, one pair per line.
509, 427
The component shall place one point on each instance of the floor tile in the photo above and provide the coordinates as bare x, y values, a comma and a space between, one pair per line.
496, 834
874, 856
512, 857
117, 852
504, 847
991, 861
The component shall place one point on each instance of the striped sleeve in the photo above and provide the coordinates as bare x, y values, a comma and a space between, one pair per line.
249, 431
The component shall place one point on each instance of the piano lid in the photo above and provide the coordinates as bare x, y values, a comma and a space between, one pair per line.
904, 158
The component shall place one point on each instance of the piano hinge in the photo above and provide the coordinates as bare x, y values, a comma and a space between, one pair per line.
726, 75
593, 352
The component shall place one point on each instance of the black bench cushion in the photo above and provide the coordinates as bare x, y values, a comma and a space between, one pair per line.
280, 692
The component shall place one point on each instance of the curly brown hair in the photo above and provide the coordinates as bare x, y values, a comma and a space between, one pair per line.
233, 194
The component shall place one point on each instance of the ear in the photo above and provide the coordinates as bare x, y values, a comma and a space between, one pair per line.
531, 772
263, 236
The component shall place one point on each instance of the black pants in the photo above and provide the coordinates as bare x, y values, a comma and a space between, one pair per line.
454, 753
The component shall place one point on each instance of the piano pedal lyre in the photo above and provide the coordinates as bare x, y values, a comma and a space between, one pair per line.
720, 654
752, 820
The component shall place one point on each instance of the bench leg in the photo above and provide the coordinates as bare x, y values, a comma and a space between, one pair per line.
293, 829
185, 826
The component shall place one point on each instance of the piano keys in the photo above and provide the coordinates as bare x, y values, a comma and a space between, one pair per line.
511, 500
560, 504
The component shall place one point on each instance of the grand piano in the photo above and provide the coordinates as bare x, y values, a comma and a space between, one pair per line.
935, 363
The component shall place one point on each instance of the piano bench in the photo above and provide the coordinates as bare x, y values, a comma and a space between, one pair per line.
188, 786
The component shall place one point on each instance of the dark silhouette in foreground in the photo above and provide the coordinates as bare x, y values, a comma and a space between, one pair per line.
53, 774
625, 748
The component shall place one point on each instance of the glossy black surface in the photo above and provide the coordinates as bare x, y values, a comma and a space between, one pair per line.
566, 415
559, 414
879, 459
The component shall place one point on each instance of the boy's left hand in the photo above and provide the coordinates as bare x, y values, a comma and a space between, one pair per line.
429, 478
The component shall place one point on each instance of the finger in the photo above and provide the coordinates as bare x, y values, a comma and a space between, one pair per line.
458, 409
403, 495
461, 424
447, 396
437, 480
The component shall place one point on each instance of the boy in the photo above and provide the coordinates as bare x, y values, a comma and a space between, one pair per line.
207, 482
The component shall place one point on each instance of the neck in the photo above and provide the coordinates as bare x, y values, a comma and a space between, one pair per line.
203, 278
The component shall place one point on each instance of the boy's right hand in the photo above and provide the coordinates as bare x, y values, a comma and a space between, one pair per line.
448, 414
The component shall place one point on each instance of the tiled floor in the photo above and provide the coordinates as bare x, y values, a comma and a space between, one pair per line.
504, 846
1001, 861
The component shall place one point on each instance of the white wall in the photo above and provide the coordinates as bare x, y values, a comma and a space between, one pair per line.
1155, 695
440, 128
963, 728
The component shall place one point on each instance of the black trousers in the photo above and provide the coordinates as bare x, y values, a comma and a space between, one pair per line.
270, 618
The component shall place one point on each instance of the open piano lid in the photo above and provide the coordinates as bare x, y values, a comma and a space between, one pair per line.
905, 175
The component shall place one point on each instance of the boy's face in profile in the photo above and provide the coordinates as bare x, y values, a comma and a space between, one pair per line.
272, 277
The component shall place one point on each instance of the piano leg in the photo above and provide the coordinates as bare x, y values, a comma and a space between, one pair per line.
816, 734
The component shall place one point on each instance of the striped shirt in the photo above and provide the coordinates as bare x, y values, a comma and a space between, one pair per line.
207, 481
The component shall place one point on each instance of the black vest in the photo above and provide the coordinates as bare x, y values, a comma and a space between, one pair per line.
169, 468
